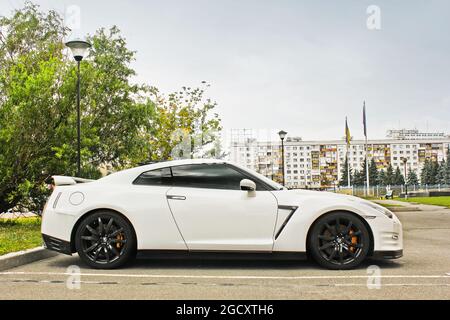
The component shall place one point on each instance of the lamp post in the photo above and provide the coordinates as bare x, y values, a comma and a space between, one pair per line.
406, 183
78, 48
282, 135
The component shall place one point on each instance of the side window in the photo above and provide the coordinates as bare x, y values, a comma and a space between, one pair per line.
158, 177
212, 176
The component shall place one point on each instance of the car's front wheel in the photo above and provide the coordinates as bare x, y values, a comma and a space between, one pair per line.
339, 240
105, 240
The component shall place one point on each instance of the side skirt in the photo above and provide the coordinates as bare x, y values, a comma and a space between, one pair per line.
395, 254
219, 255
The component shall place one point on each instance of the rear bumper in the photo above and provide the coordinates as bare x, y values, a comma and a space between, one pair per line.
394, 254
56, 244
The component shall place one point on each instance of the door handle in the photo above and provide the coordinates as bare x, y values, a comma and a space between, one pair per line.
176, 197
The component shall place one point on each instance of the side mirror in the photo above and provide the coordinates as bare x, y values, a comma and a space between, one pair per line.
247, 185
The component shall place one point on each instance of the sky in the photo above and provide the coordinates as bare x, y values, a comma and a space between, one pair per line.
301, 66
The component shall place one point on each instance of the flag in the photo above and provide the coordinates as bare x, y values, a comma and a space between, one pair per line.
347, 132
364, 119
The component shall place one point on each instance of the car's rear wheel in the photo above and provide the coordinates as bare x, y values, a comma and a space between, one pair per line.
339, 240
105, 240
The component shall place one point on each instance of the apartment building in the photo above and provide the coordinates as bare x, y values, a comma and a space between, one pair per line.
315, 164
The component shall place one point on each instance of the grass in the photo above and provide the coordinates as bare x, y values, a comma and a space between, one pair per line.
19, 234
438, 201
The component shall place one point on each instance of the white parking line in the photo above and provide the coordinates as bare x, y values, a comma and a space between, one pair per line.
329, 285
224, 277
394, 285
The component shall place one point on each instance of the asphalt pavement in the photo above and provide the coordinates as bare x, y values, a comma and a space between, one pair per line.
423, 273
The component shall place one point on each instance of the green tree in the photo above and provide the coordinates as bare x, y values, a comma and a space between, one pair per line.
373, 173
398, 177
412, 177
184, 126
37, 118
123, 123
359, 177
31, 105
425, 173
441, 176
447, 168
434, 172
429, 172
389, 176
118, 113
381, 177
343, 182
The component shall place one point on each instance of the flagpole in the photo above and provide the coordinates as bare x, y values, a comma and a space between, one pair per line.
367, 170
367, 159
348, 166
347, 140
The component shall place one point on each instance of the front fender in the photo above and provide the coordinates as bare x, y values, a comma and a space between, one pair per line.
311, 207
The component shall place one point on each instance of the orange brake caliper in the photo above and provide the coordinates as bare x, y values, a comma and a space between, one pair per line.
354, 240
119, 237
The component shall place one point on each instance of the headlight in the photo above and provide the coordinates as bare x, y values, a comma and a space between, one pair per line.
379, 208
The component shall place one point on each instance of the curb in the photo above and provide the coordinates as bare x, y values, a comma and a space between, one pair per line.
19, 258
404, 209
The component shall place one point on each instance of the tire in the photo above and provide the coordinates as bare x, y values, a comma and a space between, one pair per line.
339, 241
105, 240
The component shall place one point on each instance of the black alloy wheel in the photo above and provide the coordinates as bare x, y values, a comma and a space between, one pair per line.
105, 240
339, 240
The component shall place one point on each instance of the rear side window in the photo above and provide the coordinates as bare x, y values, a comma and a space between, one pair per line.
158, 177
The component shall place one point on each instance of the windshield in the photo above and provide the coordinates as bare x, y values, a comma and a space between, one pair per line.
271, 183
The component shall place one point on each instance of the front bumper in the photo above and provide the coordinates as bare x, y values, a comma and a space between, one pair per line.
56, 244
387, 234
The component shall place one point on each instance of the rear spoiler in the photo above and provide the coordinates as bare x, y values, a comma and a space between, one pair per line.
67, 181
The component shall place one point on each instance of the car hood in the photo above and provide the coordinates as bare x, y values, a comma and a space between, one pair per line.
327, 194
295, 197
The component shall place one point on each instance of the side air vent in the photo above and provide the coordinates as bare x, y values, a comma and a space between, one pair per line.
285, 222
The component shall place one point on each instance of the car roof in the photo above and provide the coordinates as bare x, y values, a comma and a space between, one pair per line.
130, 174
172, 163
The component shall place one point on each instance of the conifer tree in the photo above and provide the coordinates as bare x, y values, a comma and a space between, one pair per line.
398, 178
381, 177
412, 177
343, 182
389, 177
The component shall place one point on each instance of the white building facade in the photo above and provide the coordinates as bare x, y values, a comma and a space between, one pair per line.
318, 164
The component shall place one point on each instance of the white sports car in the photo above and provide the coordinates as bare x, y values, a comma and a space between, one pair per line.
198, 207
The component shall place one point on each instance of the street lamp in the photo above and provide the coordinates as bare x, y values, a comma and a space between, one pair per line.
406, 183
282, 135
78, 48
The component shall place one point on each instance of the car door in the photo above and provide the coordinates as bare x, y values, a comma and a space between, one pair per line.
212, 212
